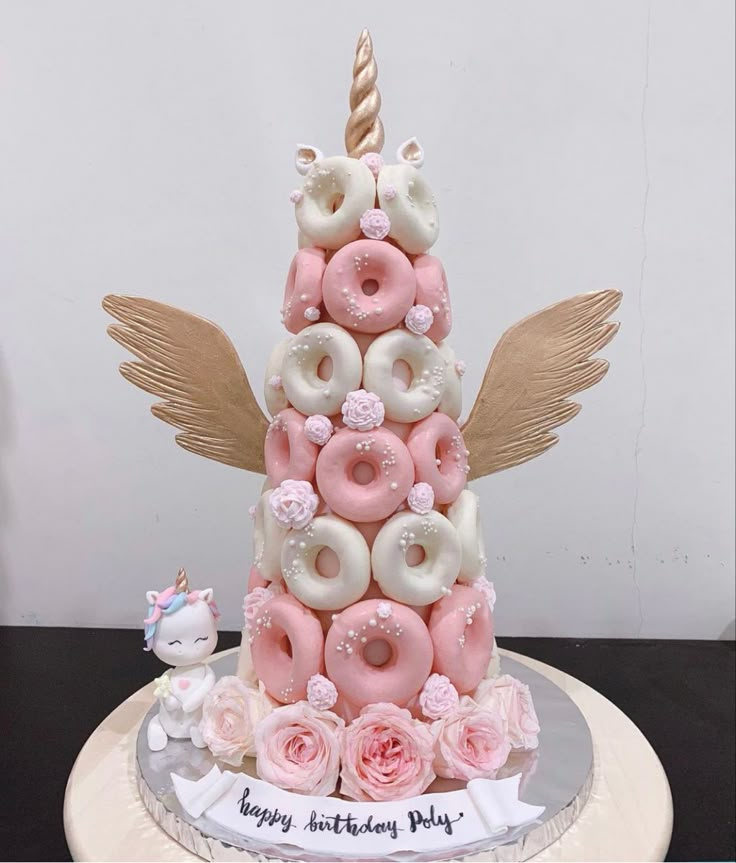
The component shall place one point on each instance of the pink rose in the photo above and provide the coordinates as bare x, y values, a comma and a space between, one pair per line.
386, 755
419, 319
321, 692
375, 224
318, 429
438, 697
471, 743
293, 503
389, 192
485, 588
297, 749
374, 161
421, 498
230, 713
513, 700
461, 367
362, 410
254, 602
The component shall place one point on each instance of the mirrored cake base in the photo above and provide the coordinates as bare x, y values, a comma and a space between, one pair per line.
558, 775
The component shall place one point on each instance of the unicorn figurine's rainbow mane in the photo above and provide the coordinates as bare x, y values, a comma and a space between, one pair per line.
170, 600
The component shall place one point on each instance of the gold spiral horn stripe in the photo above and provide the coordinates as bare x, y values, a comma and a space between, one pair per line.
182, 582
364, 130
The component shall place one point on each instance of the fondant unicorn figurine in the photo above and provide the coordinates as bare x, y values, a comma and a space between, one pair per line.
181, 630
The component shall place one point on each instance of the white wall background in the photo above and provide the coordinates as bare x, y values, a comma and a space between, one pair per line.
146, 148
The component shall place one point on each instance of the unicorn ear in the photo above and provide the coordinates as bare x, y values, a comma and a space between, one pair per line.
306, 156
207, 594
411, 152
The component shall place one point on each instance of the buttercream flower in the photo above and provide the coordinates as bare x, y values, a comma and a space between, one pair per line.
321, 692
438, 697
419, 319
312, 313
293, 503
362, 410
386, 755
297, 749
421, 498
384, 610
375, 224
389, 192
374, 161
254, 602
471, 742
461, 367
318, 429
275, 382
230, 713
296, 196
513, 700
485, 587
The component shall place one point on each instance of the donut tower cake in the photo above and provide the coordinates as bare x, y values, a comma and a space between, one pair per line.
368, 616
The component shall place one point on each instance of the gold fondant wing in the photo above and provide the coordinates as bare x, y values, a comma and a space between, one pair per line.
536, 366
191, 364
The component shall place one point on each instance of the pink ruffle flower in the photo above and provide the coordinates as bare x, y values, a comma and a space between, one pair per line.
419, 319
293, 503
438, 697
321, 692
297, 749
471, 743
513, 700
230, 713
421, 498
362, 410
386, 755
375, 224
318, 429
374, 161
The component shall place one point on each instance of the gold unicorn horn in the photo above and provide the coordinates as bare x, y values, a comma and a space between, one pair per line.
182, 582
364, 130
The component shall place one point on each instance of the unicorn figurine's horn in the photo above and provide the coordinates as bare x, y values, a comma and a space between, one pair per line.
364, 130
182, 582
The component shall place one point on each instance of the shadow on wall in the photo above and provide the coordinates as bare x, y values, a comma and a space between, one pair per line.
729, 633
6, 436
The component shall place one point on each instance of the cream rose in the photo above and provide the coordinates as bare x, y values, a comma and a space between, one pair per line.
386, 755
513, 700
438, 697
471, 742
293, 503
230, 714
362, 410
297, 749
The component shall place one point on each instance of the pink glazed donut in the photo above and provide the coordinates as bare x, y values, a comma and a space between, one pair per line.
360, 267
432, 292
287, 648
399, 630
303, 288
438, 439
349, 458
288, 452
461, 628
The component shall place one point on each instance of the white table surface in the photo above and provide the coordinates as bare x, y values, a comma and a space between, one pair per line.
628, 815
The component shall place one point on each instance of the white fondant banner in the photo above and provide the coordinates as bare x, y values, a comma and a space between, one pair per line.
431, 822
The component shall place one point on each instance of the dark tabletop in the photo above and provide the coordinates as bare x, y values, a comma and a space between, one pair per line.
63, 682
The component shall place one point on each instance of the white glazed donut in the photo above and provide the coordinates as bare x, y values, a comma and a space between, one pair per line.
304, 388
405, 403
464, 514
326, 588
268, 537
337, 191
427, 581
451, 402
409, 203
276, 400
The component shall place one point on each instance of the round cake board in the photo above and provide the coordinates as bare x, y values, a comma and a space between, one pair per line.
628, 815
